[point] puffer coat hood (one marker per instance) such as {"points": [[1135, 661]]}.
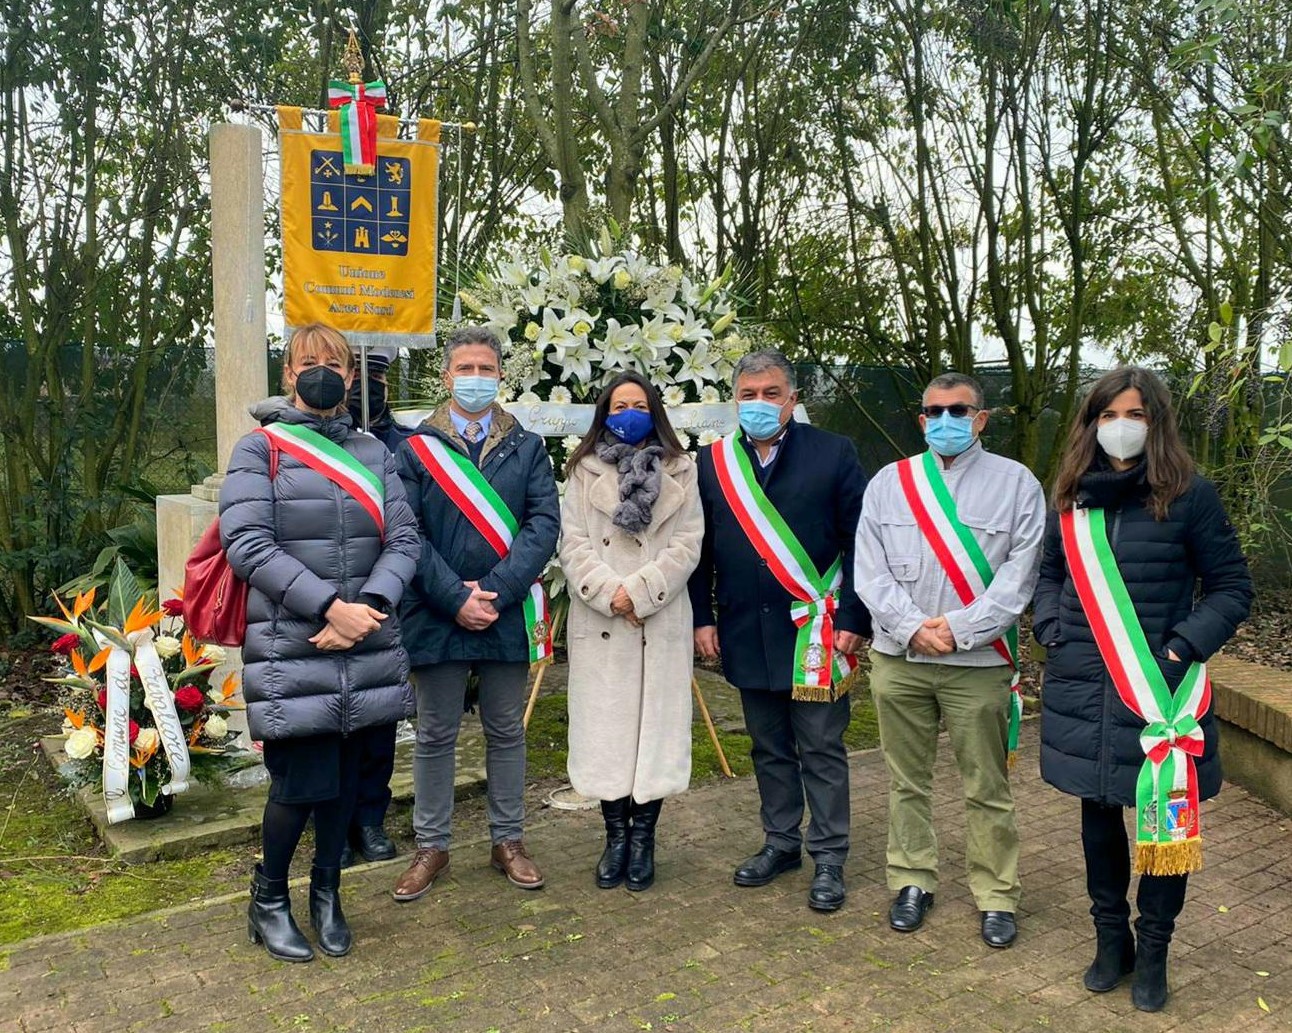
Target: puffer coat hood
{"points": [[300, 542], [1190, 586]]}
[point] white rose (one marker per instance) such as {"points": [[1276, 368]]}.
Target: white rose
{"points": [[147, 739], [570, 442], [710, 395], [674, 395], [81, 743], [621, 279], [216, 727], [166, 646], [560, 395], [215, 654]]}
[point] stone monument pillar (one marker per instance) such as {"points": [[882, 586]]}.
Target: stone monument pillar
{"points": [[241, 355]]}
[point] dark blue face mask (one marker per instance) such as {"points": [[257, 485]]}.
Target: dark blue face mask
{"points": [[630, 426]]}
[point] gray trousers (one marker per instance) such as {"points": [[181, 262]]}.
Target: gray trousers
{"points": [[441, 691], [798, 750]]}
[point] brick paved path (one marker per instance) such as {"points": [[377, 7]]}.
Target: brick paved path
{"points": [[694, 953]]}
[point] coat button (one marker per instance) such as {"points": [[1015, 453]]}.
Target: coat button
{"points": [[605, 541], [605, 634], [584, 589], [660, 597], [762, 562], [767, 608]]}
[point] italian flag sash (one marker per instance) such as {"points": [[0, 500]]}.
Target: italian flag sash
{"points": [[334, 463], [466, 486], [1168, 838], [961, 558], [821, 674]]}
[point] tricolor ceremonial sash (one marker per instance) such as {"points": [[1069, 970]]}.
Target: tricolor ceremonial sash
{"points": [[334, 463], [1168, 838], [358, 103], [466, 486], [961, 558], [821, 673]]}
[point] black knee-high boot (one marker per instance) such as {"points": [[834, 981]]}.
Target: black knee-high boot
{"points": [[641, 844], [613, 865], [1104, 843], [1160, 899]]}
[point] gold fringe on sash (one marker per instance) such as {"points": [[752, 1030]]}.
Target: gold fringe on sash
{"points": [[1179, 858], [825, 694]]}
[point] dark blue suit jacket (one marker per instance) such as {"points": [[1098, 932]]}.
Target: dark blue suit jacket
{"points": [[816, 484]]}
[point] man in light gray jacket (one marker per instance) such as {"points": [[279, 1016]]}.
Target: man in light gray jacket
{"points": [[947, 553]]}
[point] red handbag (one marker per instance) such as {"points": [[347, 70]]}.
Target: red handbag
{"points": [[215, 599]]}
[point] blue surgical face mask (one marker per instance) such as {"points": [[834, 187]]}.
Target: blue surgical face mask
{"points": [[948, 435], [475, 394], [630, 426], [760, 420]]}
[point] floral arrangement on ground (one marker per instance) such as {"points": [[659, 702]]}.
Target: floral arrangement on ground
{"points": [[110, 652]]}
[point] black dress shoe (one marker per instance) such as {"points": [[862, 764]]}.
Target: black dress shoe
{"points": [[765, 865], [374, 844], [908, 910], [998, 928], [827, 891]]}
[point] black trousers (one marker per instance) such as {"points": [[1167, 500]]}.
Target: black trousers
{"points": [[376, 765], [1108, 873], [798, 751]]}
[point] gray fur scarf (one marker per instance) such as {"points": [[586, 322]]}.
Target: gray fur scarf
{"points": [[639, 480]]}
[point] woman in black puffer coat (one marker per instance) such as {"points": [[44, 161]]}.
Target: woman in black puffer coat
{"points": [[1180, 559], [323, 662]]}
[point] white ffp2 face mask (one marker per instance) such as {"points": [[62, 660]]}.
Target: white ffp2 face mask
{"points": [[1122, 438]]}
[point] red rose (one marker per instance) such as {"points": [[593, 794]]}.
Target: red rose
{"points": [[190, 698], [173, 607], [134, 730], [66, 644], [103, 700], [134, 671]]}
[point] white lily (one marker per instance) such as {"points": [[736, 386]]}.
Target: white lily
{"points": [[555, 331], [576, 360], [693, 328], [601, 269], [513, 274], [620, 344], [653, 339], [697, 364], [534, 297], [638, 267], [500, 315]]}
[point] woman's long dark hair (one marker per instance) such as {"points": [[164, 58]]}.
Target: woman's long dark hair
{"points": [[1170, 467], [663, 429]]}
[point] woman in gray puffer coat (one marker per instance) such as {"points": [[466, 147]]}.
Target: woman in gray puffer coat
{"points": [[314, 518]]}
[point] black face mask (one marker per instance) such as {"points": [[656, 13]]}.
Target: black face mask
{"points": [[320, 388], [376, 401]]}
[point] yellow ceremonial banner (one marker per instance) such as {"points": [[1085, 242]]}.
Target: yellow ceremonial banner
{"points": [[359, 252]]}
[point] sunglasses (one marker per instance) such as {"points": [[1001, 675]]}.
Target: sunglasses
{"points": [[957, 410]]}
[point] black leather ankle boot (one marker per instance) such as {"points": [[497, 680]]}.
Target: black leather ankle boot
{"points": [[641, 845], [613, 865], [269, 920], [325, 912]]}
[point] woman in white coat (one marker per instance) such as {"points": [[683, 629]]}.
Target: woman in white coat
{"points": [[631, 526]]}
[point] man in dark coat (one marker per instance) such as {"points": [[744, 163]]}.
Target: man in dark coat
{"points": [[377, 764], [464, 613], [814, 481]]}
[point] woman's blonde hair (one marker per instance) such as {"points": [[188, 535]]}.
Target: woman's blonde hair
{"points": [[320, 340]]}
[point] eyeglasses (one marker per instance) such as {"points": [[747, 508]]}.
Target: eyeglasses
{"points": [[958, 410]]}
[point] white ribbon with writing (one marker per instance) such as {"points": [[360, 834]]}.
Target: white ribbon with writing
{"points": [[116, 729]]}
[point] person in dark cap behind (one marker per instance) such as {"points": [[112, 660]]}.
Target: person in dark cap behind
{"points": [[377, 762]]}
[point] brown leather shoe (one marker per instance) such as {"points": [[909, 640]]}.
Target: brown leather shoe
{"points": [[512, 859], [428, 864]]}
